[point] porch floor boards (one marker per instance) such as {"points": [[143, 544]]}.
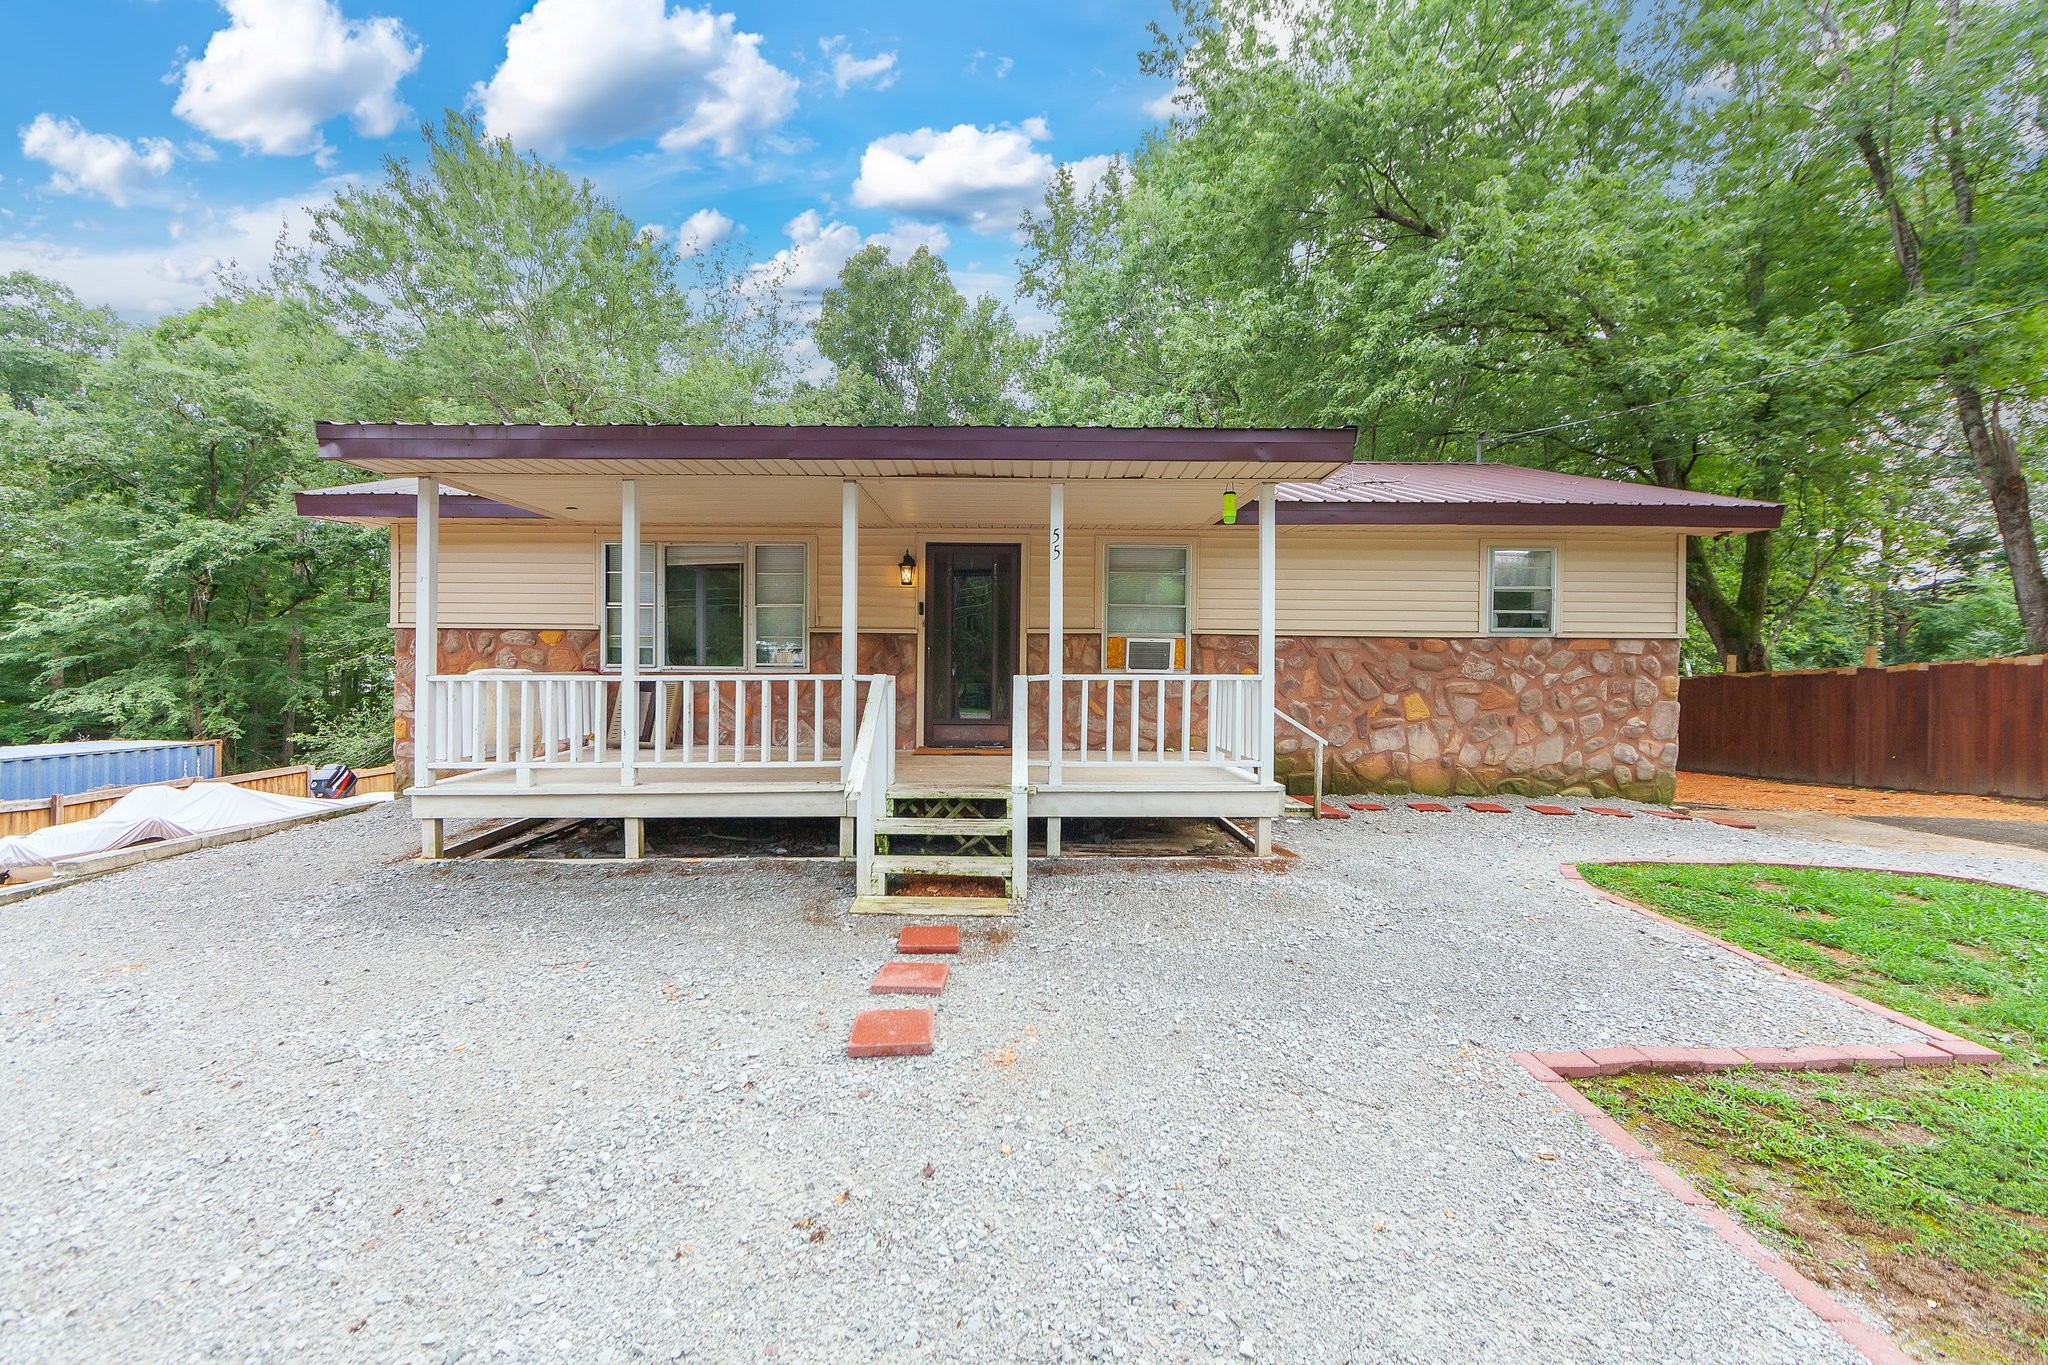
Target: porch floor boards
{"points": [[914, 773]]}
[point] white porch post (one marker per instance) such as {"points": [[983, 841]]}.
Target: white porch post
{"points": [[1056, 634], [426, 627], [849, 621], [1268, 609], [629, 629], [1055, 654]]}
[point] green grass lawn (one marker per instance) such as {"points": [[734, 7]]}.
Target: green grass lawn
{"points": [[1925, 1191]]}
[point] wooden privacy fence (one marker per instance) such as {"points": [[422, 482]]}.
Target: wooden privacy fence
{"points": [[26, 817], [1979, 726]]}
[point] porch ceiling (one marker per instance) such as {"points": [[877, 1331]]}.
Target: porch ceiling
{"points": [[710, 500]]}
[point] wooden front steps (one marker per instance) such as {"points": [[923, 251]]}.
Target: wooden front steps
{"points": [[933, 907], [955, 835]]}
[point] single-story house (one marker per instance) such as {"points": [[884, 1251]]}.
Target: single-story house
{"points": [[1228, 604]]}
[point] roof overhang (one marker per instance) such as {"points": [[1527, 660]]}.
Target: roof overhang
{"points": [[388, 500], [461, 454], [1702, 521]]}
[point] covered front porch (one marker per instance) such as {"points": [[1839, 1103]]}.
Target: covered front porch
{"points": [[639, 738]]}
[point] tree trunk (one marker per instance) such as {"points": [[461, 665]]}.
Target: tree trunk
{"points": [[1991, 445], [289, 720], [1735, 626], [2005, 483]]}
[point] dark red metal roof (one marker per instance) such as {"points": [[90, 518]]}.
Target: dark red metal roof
{"points": [[1395, 492], [397, 500]]}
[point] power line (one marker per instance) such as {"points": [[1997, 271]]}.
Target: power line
{"points": [[1762, 378]]}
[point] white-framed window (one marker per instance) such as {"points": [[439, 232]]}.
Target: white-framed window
{"points": [[727, 607], [1521, 590], [1145, 600]]}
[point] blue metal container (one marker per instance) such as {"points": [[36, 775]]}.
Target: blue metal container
{"points": [[31, 772]]}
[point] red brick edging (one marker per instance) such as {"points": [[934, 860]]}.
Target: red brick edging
{"points": [[1551, 1070]]}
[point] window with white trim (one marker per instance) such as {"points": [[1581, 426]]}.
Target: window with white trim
{"points": [[1145, 598], [1521, 591], [714, 606]]}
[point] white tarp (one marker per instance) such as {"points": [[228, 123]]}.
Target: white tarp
{"points": [[156, 813]]}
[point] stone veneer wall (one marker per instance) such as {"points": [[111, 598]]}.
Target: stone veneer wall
{"points": [[1577, 717]]}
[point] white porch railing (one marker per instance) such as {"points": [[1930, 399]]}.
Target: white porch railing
{"points": [[868, 778], [1123, 718], [492, 721]]}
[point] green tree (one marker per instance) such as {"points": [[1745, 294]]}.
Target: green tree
{"points": [[911, 350], [1919, 120], [488, 286], [48, 339], [165, 584]]}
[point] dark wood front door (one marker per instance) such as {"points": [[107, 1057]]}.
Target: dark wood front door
{"points": [[970, 643]]}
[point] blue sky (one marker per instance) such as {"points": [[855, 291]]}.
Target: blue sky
{"points": [[152, 140]]}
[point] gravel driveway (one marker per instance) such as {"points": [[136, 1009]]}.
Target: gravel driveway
{"points": [[303, 1098]]}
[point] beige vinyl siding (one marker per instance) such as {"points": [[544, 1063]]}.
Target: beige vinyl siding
{"points": [[1409, 582], [1342, 581], [1420, 583], [1628, 585], [504, 575]]}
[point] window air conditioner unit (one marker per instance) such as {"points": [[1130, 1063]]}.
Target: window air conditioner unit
{"points": [[1148, 656]]}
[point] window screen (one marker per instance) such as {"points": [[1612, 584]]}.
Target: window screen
{"points": [[1146, 590], [704, 593], [615, 603], [1522, 592], [781, 606]]}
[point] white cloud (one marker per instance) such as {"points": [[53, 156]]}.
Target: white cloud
{"points": [[819, 249], [703, 230], [849, 70], [147, 281], [95, 163], [982, 177], [595, 72], [1172, 104], [282, 68]]}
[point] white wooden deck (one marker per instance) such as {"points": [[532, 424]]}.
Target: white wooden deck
{"points": [[1086, 790]]}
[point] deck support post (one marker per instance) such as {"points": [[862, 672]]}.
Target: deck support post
{"points": [[426, 626], [430, 839], [1055, 642], [629, 627], [1052, 836], [1262, 836], [636, 838], [848, 828], [849, 622], [1268, 608]]}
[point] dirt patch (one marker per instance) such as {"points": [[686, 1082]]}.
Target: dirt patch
{"points": [[1753, 793], [1766, 884], [1940, 1309]]}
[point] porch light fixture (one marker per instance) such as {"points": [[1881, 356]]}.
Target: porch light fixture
{"points": [[906, 569], [1230, 507]]}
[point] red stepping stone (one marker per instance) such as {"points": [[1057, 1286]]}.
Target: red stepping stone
{"points": [[910, 978], [1431, 806], [928, 938], [1668, 814], [891, 1033], [1367, 805], [1727, 820], [1333, 811], [1610, 810], [1552, 810], [1487, 807]]}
